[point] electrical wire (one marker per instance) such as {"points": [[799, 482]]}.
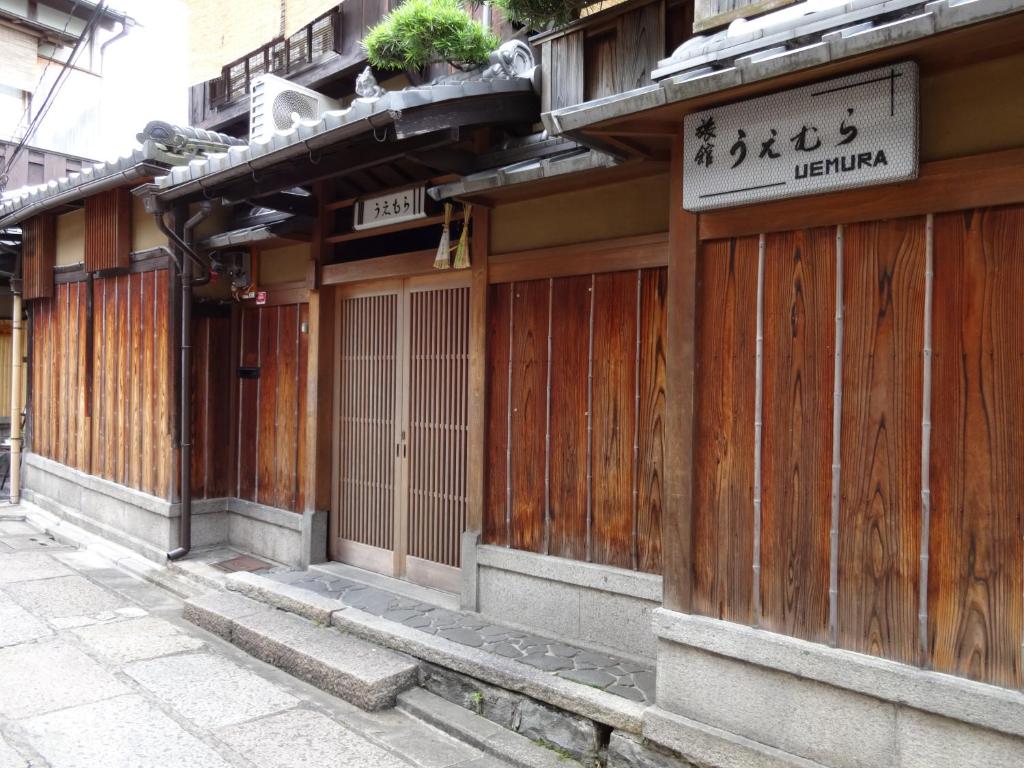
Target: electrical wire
{"points": [[54, 90], [42, 75]]}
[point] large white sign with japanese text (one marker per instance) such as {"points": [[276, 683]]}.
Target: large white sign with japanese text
{"points": [[848, 132]]}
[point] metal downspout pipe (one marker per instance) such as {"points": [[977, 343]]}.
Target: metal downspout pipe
{"points": [[185, 386], [17, 325]]}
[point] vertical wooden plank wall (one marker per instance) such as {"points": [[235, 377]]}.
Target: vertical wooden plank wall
{"points": [[576, 367], [272, 406], [130, 333], [61, 427], [780, 580], [212, 381], [108, 230]]}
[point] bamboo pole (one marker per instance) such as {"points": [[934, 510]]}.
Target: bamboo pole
{"points": [[837, 421], [16, 405], [758, 428], [926, 437]]}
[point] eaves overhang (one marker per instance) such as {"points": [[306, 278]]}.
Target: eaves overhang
{"points": [[808, 35], [143, 162], [401, 119]]}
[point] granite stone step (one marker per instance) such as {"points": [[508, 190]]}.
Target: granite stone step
{"points": [[359, 672], [480, 732], [488, 666]]}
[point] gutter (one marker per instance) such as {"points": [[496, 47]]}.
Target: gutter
{"points": [[274, 156], [140, 171], [185, 380]]}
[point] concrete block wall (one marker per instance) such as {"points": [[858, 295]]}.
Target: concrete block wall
{"points": [[732, 695], [149, 525], [594, 605]]}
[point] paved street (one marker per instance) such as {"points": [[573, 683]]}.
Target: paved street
{"points": [[98, 669]]}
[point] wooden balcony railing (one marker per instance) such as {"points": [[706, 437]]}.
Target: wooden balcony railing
{"points": [[281, 56]]}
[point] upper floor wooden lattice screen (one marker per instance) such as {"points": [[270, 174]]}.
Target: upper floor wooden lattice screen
{"points": [[39, 252], [108, 230]]}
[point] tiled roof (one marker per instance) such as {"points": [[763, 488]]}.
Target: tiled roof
{"points": [[365, 115], [19, 204], [804, 35], [575, 160]]}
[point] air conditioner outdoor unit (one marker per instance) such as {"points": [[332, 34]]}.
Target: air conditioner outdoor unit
{"points": [[276, 105]]}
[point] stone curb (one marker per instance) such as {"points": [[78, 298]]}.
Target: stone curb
{"points": [[579, 699], [706, 745], [285, 597], [344, 666], [480, 732]]}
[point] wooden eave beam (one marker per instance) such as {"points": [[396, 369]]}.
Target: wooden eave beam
{"points": [[341, 162]]}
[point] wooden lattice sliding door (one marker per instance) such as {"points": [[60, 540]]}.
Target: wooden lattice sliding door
{"points": [[367, 427], [438, 429], [401, 427]]}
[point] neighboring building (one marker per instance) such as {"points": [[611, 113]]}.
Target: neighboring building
{"points": [[37, 39], [34, 166], [765, 445], [313, 43]]}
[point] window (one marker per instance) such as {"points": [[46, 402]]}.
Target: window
{"points": [[35, 167], [72, 165]]}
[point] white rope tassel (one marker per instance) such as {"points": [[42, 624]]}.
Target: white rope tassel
{"points": [[443, 258]]}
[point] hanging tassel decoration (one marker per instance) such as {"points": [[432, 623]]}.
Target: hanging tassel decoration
{"points": [[443, 258], [462, 249]]}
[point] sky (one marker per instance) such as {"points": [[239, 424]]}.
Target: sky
{"points": [[145, 77]]}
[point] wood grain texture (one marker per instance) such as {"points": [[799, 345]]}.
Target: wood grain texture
{"points": [[266, 409], [39, 253], [880, 508], [975, 579], [724, 416], [305, 368], [163, 349], [651, 388], [529, 406], [641, 44], [614, 417], [108, 230], [499, 308], [248, 401], [285, 437], [570, 339], [799, 309], [677, 513]]}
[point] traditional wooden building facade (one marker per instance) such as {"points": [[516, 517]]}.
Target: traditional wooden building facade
{"points": [[773, 447]]}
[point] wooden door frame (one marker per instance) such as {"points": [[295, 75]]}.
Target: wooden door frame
{"points": [[425, 572]]}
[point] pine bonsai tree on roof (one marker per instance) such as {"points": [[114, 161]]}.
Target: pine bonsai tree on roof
{"points": [[423, 32], [541, 14]]}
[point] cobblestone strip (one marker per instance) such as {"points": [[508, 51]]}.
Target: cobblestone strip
{"points": [[608, 673]]}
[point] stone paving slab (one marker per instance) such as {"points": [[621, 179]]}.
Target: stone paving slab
{"points": [[9, 758], [57, 674], [358, 672], [123, 642], [302, 739], [29, 566], [622, 677], [65, 597], [123, 731], [18, 625], [209, 690]]}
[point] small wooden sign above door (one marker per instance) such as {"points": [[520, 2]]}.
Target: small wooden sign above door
{"points": [[852, 131], [391, 208]]}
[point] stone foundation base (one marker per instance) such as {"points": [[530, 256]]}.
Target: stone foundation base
{"points": [[149, 525], [729, 695], [595, 605]]}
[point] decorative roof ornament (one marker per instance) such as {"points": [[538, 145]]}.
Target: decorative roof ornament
{"points": [[367, 87], [512, 60]]}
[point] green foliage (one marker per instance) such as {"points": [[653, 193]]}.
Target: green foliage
{"points": [[541, 14], [422, 32]]}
